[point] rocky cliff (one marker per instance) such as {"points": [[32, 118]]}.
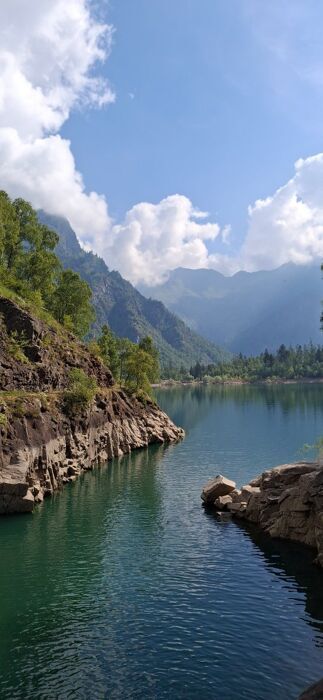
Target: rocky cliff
{"points": [[41, 445], [286, 502]]}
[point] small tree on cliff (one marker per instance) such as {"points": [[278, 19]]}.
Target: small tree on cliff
{"points": [[108, 345], [138, 368], [70, 303]]}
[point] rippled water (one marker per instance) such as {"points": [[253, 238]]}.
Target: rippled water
{"points": [[123, 587]]}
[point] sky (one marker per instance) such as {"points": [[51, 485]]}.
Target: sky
{"points": [[169, 132]]}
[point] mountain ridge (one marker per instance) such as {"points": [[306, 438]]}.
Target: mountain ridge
{"points": [[250, 310], [125, 309]]}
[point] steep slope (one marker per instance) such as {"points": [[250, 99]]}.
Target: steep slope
{"points": [[248, 311], [128, 312], [45, 442]]}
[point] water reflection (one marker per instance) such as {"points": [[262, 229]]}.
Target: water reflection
{"points": [[62, 570], [294, 563], [190, 405]]}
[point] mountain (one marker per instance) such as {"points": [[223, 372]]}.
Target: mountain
{"points": [[248, 311], [128, 313]]}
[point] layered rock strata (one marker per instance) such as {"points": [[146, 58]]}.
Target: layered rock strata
{"points": [[42, 445], [43, 449], [286, 502]]}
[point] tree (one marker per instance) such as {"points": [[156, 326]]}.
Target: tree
{"points": [[138, 367], [9, 232], [27, 261], [148, 346], [124, 349], [70, 303], [109, 354]]}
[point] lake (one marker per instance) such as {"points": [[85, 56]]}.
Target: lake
{"points": [[122, 586]]}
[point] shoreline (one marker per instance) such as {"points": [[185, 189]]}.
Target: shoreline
{"points": [[172, 383]]}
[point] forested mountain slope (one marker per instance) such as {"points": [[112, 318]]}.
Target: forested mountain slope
{"points": [[125, 309]]}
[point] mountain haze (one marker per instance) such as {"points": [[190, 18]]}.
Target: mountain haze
{"points": [[248, 311], [128, 313]]}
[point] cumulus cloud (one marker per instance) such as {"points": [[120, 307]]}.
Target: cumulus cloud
{"points": [[285, 227], [49, 52], [156, 238], [288, 226]]}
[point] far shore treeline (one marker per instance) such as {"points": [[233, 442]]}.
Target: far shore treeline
{"points": [[31, 272], [287, 363]]}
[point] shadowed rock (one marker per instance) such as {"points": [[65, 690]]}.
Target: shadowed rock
{"points": [[286, 502], [315, 692]]}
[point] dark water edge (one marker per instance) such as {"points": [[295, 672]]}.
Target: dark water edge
{"points": [[122, 586]]}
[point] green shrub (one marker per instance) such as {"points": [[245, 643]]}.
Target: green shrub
{"points": [[80, 392], [3, 420], [16, 346]]}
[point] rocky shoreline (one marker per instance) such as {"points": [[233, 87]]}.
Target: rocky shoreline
{"points": [[286, 502], [42, 446], [45, 449]]}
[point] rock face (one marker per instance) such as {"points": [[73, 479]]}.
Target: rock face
{"points": [[42, 446], [48, 355], [315, 692], [44, 449], [286, 502]]}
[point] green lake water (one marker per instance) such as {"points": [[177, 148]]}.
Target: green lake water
{"points": [[122, 586]]}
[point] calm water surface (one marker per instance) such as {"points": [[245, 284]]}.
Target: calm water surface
{"points": [[123, 587]]}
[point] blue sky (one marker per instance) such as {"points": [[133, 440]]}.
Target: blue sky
{"points": [[217, 114], [168, 132]]}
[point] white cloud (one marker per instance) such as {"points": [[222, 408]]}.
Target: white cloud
{"points": [[156, 238], [49, 51], [287, 227]]}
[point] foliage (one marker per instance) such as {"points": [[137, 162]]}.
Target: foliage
{"points": [[136, 365], [127, 312], [317, 448], [80, 392], [30, 269], [70, 303], [286, 363], [109, 350], [16, 346], [3, 420]]}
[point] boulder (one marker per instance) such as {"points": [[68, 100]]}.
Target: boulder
{"points": [[286, 502], [237, 508], [222, 502], [220, 486]]}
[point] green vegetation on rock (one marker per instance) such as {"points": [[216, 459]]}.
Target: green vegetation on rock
{"points": [[31, 271]]}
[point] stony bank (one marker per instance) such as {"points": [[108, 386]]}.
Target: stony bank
{"points": [[42, 446], [286, 502]]}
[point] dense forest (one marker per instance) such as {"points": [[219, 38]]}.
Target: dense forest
{"points": [[32, 274], [286, 364]]}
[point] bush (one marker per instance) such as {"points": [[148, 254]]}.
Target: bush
{"points": [[16, 346], [80, 392]]}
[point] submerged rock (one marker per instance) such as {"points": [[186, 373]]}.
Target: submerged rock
{"points": [[286, 502]]}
